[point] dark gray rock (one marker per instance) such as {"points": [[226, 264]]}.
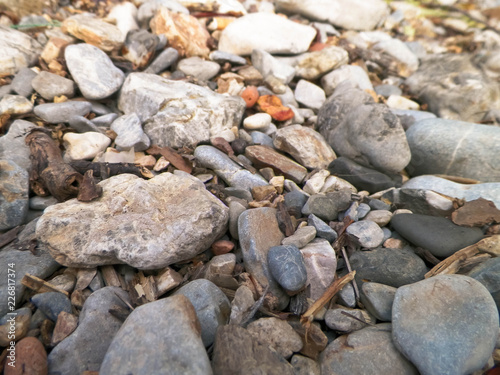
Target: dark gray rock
{"points": [[80, 351], [222, 57], [287, 266], [365, 233], [361, 177], [211, 305], [161, 337], [50, 85], [437, 234], [294, 202], [378, 300], [454, 148], [327, 206], [367, 351], [323, 230], [21, 84], [54, 113], [14, 194], [419, 201], [488, 274], [394, 267], [164, 60], [431, 318], [52, 304], [235, 210]]}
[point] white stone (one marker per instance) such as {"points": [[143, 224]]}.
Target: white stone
{"points": [[84, 146], [269, 66], [334, 183], [400, 102], [352, 73], [19, 50], [316, 182], [266, 31], [15, 105], [259, 121], [125, 16], [313, 65], [309, 94]]}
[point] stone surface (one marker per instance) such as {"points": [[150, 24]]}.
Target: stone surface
{"points": [[366, 234], [266, 31], [287, 266], [30, 358], [54, 113], [378, 299], [198, 68], [431, 317], [367, 351], [301, 237], [380, 217], [14, 194], [233, 174], [130, 133], [49, 85], [320, 261], [120, 227], [275, 73], [259, 231], [19, 50], [21, 84], [84, 146], [305, 145], [93, 71], [211, 305], [139, 46], [15, 105], [309, 94], [313, 65], [393, 267], [168, 335], [323, 230], [327, 206], [164, 60], [51, 304], [276, 334], [437, 234], [337, 319], [487, 273], [178, 114], [353, 74], [454, 148]]}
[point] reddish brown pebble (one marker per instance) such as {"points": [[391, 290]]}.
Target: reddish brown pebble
{"points": [[272, 105], [317, 47], [30, 358], [250, 96], [222, 247]]}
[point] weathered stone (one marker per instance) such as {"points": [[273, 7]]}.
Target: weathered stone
{"points": [[21, 84], [139, 46], [378, 300], [337, 319], [313, 65], [198, 68], [323, 230], [365, 233], [54, 113], [320, 261], [52, 303], [30, 358], [352, 74], [301, 237], [165, 59], [14, 194], [119, 227], [304, 366], [130, 133], [50, 85], [327, 206], [430, 316], [161, 337], [15, 105], [276, 73], [84, 146], [309, 94], [178, 114], [286, 265], [424, 202], [380, 217], [19, 50]]}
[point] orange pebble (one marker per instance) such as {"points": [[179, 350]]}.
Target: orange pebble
{"points": [[250, 95], [317, 47]]}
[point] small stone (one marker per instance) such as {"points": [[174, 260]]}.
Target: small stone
{"points": [[338, 320], [316, 182], [442, 308], [52, 303], [394, 243], [259, 121], [14, 194], [327, 206], [407, 61], [309, 94], [54, 113], [50, 85], [378, 299], [286, 265], [314, 339], [65, 325], [163, 61], [323, 230], [84, 146], [82, 125], [304, 366], [313, 65], [276, 334], [301, 237], [387, 90], [380, 217], [295, 201], [198, 68], [65, 282], [166, 280], [222, 57], [424, 202], [222, 246], [276, 73], [353, 74], [19, 51], [261, 193], [235, 210], [437, 234], [400, 102], [125, 16], [93, 71], [15, 105], [55, 46], [130, 133], [241, 305], [334, 183], [366, 234], [30, 358], [250, 95], [21, 84]]}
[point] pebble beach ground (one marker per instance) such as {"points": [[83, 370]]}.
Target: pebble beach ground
{"points": [[249, 187]]}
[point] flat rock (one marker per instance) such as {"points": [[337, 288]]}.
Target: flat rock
{"points": [[161, 337], [211, 305], [327, 206], [320, 259], [309, 94], [393, 267], [21, 84], [259, 231], [430, 317], [54, 113], [19, 50], [84, 146], [120, 227], [301, 237], [378, 299], [233, 174], [366, 234], [177, 113], [164, 60], [15, 105], [50, 85], [14, 194], [236, 351], [73, 355], [323, 230], [287, 266], [367, 351], [437, 234], [336, 319], [93, 71], [275, 72], [266, 31]]}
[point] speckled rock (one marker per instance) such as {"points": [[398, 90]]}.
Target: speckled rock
{"points": [[14, 194]]}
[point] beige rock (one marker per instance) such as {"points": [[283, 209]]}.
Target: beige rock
{"points": [[65, 325], [18, 51], [313, 65], [84, 146], [15, 105]]}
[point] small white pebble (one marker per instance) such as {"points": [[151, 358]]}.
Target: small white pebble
{"points": [[259, 121]]}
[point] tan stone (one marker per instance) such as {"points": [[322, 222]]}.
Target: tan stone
{"points": [[65, 325]]}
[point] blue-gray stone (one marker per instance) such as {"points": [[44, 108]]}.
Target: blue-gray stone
{"points": [[378, 299], [14, 194], [259, 138], [287, 266], [323, 230], [363, 210], [221, 57], [327, 206], [439, 235], [130, 133], [52, 304], [82, 125], [446, 325], [408, 117], [294, 202], [376, 204], [54, 113], [366, 234], [105, 120], [488, 274]]}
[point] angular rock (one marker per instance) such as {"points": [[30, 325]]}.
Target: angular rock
{"points": [[14, 194], [309, 94], [52, 304], [313, 65], [305, 145], [259, 231], [83, 125], [270, 32], [323, 230], [50, 85], [222, 57], [352, 74], [161, 337], [454, 148], [393, 267], [19, 50], [301, 237], [15, 105], [139, 47], [84, 146], [437, 234], [367, 351], [130, 133], [327, 206], [378, 299], [54, 113], [287, 266], [366, 234], [337, 319], [166, 58], [429, 316], [295, 201], [198, 68], [120, 227], [93, 71], [21, 84], [276, 73], [211, 305], [178, 114], [320, 259]]}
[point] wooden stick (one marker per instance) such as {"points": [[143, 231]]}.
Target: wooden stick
{"points": [[39, 285]]}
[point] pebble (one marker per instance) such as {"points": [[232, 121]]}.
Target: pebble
{"points": [[304, 365], [320, 260], [402, 103], [104, 120], [295, 201], [21, 84], [367, 351], [54, 113], [443, 308], [259, 231], [337, 319], [93, 71], [334, 183], [19, 50], [30, 358], [487, 274], [130, 133], [163, 61], [301, 237], [323, 230], [313, 65], [327, 206], [14, 324], [84, 146], [121, 229], [366, 234], [14, 194], [437, 234], [221, 57], [82, 125], [351, 74], [276, 73], [458, 148], [52, 303], [267, 31], [138, 348], [15, 105], [309, 94], [241, 305], [393, 267], [211, 305], [378, 299], [276, 334], [139, 46], [201, 69], [259, 121], [50, 85], [407, 61], [125, 16], [379, 217], [286, 265]]}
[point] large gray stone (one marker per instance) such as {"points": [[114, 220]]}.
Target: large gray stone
{"points": [[488, 274], [447, 324], [146, 224], [177, 113], [19, 50], [14, 194], [161, 337]]}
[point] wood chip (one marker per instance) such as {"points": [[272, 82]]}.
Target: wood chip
{"points": [[110, 276], [476, 213], [10, 236], [89, 190], [39, 285], [84, 277], [172, 156]]}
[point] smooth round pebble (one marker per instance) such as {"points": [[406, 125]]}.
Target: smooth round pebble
{"points": [[287, 266], [259, 121]]}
